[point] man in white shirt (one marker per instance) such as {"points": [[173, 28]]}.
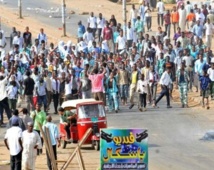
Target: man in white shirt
{"points": [[210, 71], [188, 7], [13, 142], [160, 8], [2, 44], [208, 32], [142, 11], [120, 42], [165, 81], [42, 36], [88, 36], [18, 40], [130, 35], [133, 15], [56, 91], [200, 16], [3, 97], [100, 25], [92, 23], [41, 92]]}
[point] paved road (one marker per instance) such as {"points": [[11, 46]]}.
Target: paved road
{"points": [[41, 10], [174, 137]]}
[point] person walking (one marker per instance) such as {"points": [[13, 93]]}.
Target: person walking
{"points": [[3, 97], [205, 86], [56, 91], [160, 8], [16, 116], [133, 86], [182, 80], [28, 91], [210, 71], [41, 92], [174, 18], [182, 18], [54, 137], [209, 28], [165, 82], [142, 90], [13, 142], [31, 142], [38, 116], [167, 21], [111, 91]]}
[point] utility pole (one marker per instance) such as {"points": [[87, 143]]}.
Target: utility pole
{"points": [[20, 8], [63, 18], [124, 18]]}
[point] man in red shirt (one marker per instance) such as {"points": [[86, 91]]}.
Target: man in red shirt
{"points": [[108, 36]]}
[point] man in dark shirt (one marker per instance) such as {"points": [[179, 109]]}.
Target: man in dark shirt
{"points": [[27, 37], [28, 90]]}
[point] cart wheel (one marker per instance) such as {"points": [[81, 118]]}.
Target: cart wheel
{"points": [[97, 145], [64, 143]]}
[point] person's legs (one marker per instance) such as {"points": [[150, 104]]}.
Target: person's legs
{"points": [[167, 97], [147, 23], [181, 91], [132, 91], [158, 19], [149, 94], [116, 104], [168, 30], [126, 92], [161, 96], [45, 102], [18, 161], [144, 100], [13, 106], [99, 34], [110, 104], [48, 161], [56, 101], [140, 103], [5, 106], [212, 89], [161, 15], [12, 163], [67, 129]]}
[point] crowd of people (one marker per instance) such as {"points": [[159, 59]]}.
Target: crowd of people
{"points": [[111, 62]]}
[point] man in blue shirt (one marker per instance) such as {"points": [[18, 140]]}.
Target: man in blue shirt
{"points": [[54, 137], [80, 30], [198, 30]]}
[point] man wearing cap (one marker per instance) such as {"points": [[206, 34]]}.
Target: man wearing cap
{"points": [[31, 142], [13, 142], [165, 82]]}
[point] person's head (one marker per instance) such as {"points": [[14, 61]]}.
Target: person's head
{"points": [[80, 23], [24, 111], [129, 24], [212, 65], [13, 29], [188, 2], [198, 22], [178, 29], [49, 118], [168, 12], [134, 67], [208, 20], [138, 18], [111, 75], [182, 6], [92, 14], [42, 30], [168, 69], [200, 56], [133, 6], [28, 73], [100, 15], [38, 107], [61, 111], [121, 33], [174, 8], [161, 55], [27, 29], [30, 127], [191, 10], [18, 33], [15, 112], [180, 53]]}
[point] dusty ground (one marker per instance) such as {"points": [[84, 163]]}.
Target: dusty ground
{"points": [[108, 8]]}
